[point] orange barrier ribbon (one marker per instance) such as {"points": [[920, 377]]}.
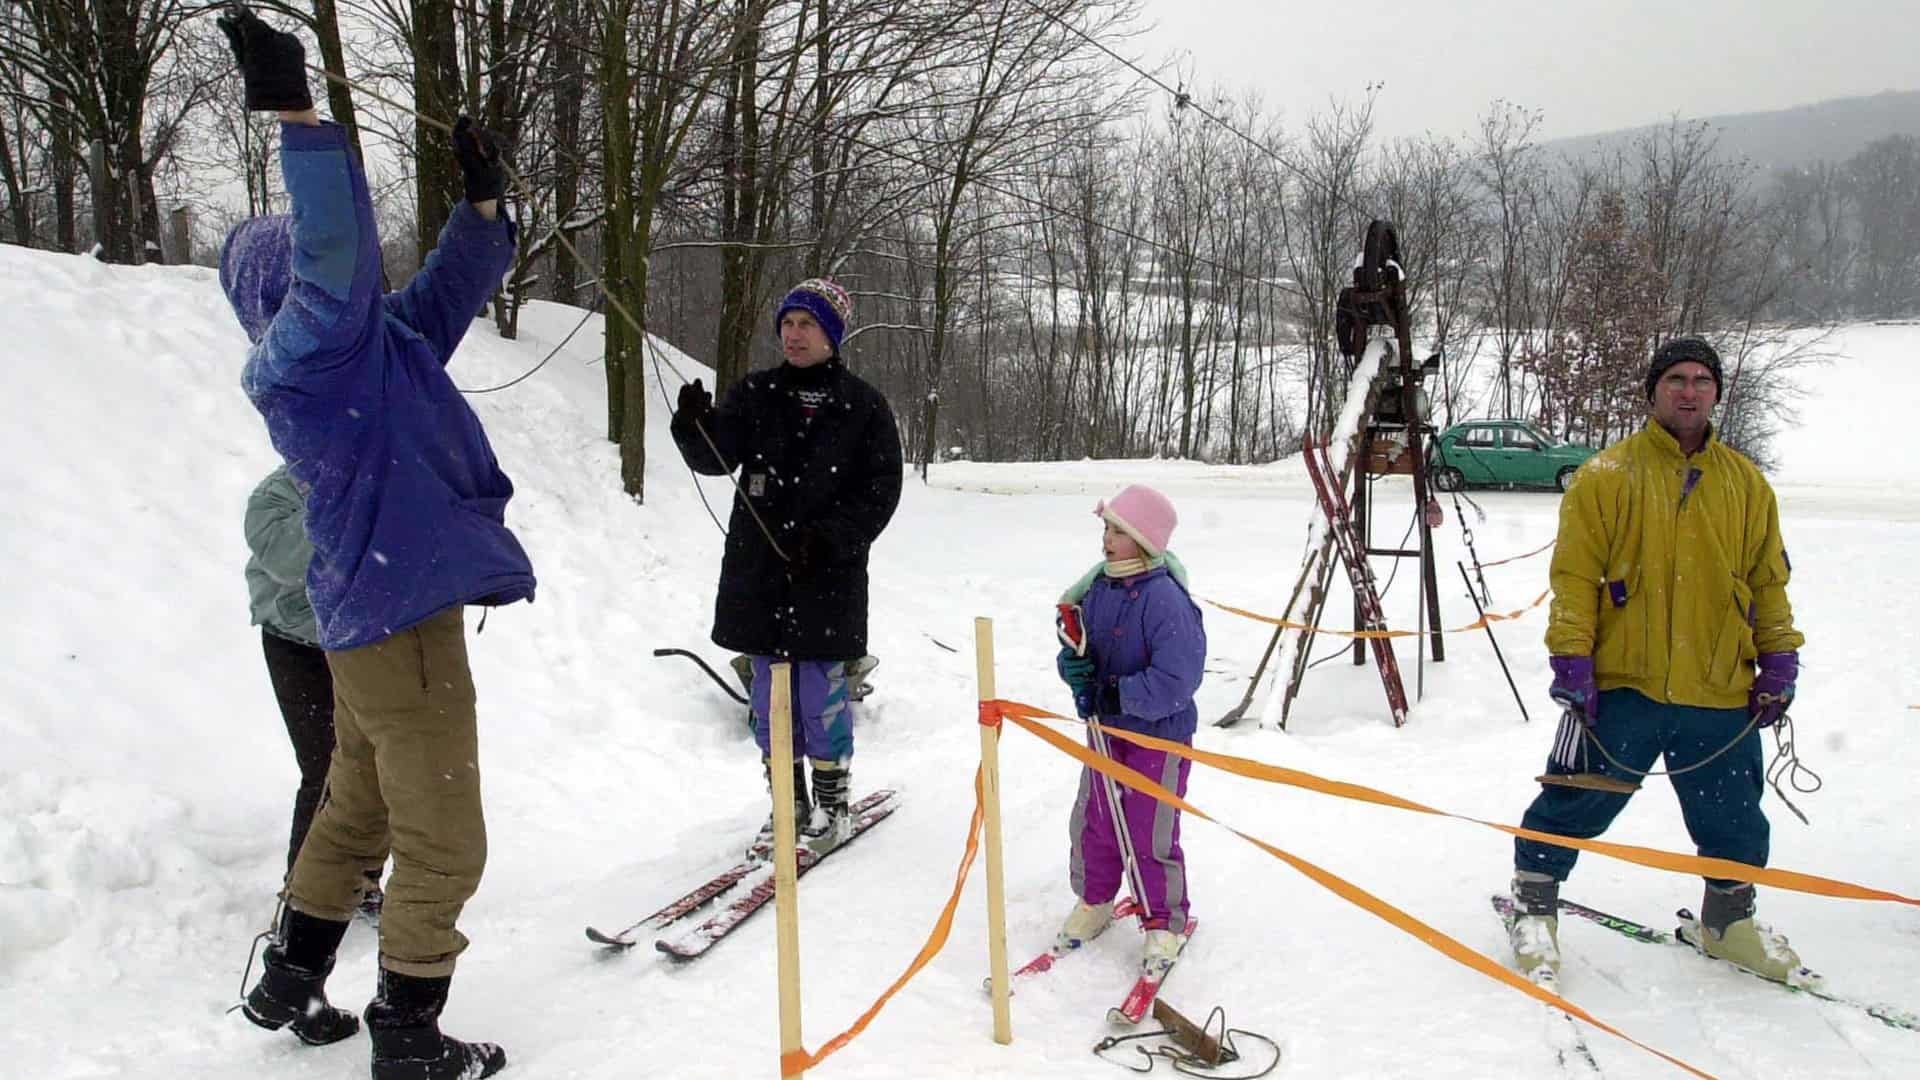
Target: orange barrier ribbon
{"points": [[1517, 558], [1435, 939], [1288, 624], [801, 1060]]}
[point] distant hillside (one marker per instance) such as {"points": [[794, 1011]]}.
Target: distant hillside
{"points": [[1831, 130]]}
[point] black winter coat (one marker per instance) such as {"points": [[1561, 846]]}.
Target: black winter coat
{"points": [[836, 475]]}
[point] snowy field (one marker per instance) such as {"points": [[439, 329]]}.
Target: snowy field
{"points": [[145, 777]]}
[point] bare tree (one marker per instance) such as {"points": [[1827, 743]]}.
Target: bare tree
{"points": [[1508, 168], [680, 46], [1024, 80]]}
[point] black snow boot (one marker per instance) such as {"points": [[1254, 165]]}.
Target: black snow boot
{"points": [[762, 845], [291, 991], [404, 1022]]}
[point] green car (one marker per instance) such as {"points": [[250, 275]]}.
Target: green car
{"points": [[1503, 453]]}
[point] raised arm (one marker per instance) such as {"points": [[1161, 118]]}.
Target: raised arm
{"points": [[325, 256]]}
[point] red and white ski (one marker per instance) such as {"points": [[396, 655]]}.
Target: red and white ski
{"points": [[1139, 1000], [696, 942], [708, 891], [1045, 961]]}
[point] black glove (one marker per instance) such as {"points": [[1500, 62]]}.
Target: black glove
{"points": [[273, 65], [696, 405], [478, 151]]}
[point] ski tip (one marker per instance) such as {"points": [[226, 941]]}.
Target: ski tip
{"points": [[611, 941], [675, 952]]}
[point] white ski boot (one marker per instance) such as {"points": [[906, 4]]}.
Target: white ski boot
{"points": [[1084, 923], [1535, 929], [1727, 931]]}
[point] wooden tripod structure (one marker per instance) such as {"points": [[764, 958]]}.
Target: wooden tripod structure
{"points": [[1390, 437]]}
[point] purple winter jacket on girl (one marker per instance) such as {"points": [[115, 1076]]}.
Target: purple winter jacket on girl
{"points": [[1145, 637]]}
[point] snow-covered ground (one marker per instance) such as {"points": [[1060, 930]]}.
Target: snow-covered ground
{"points": [[145, 777]]}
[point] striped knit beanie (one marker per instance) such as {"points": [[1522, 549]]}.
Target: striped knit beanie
{"points": [[823, 299]]}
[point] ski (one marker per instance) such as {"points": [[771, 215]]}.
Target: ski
{"points": [[1890, 1015], [1044, 962], [707, 892], [697, 941], [1569, 1043], [1133, 1008]]}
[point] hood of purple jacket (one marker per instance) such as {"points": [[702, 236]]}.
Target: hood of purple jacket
{"points": [[256, 269]]}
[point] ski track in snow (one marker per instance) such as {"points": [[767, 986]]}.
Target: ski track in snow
{"points": [[145, 777]]}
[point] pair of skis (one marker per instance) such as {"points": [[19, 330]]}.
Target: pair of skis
{"points": [[1140, 996], [751, 878], [1687, 936]]}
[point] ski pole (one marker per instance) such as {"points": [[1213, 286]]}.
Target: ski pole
{"points": [[1072, 633]]}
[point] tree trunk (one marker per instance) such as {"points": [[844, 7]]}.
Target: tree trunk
{"points": [[570, 88], [16, 201], [65, 159], [739, 202], [617, 191], [436, 93], [333, 57]]}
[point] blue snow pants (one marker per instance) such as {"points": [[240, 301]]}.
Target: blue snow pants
{"points": [[822, 715], [1719, 801]]}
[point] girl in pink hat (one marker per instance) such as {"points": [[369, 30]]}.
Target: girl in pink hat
{"points": [[1133, 649]]}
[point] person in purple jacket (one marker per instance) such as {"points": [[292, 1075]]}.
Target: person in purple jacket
{"points": [[406, 511], [1134, 665]]}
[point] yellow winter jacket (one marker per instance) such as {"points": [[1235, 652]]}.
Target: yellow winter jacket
{"points": [[1672, 585]]}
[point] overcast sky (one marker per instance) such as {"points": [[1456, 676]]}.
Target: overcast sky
{"points": [[1590, 65]]}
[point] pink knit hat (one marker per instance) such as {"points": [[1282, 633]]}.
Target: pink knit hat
{"points": [[1142, 513]]}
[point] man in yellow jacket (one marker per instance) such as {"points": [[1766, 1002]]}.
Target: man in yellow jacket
{"points": [[1671, 635]]}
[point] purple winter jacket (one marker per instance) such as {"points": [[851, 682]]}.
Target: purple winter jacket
{"points": [[1144, 635]]}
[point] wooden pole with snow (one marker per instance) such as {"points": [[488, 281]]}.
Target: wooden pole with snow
{"points": [[990, 804], [786, 898]]}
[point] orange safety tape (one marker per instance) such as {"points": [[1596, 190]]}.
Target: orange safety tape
{"points": [[990, 715], [1651, 857], [1517, 558], [1440, 942], [1477, 624], [800, 1060]]}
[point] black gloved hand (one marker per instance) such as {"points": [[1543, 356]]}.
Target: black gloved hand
{"points": [[273, 65], [696, 405], [478, 151]]}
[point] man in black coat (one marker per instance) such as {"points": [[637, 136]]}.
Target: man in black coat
{"points": [[819, 460]]}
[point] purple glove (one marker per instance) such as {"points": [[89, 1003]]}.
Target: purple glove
{"points": [[1573, 685], [1774, 673]]}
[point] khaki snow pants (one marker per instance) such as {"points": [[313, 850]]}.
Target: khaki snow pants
{"points": [[405, 777]]}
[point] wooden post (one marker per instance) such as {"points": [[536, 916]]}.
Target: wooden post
{"points": [[996, 880], [786, 898], [181, 222]]}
